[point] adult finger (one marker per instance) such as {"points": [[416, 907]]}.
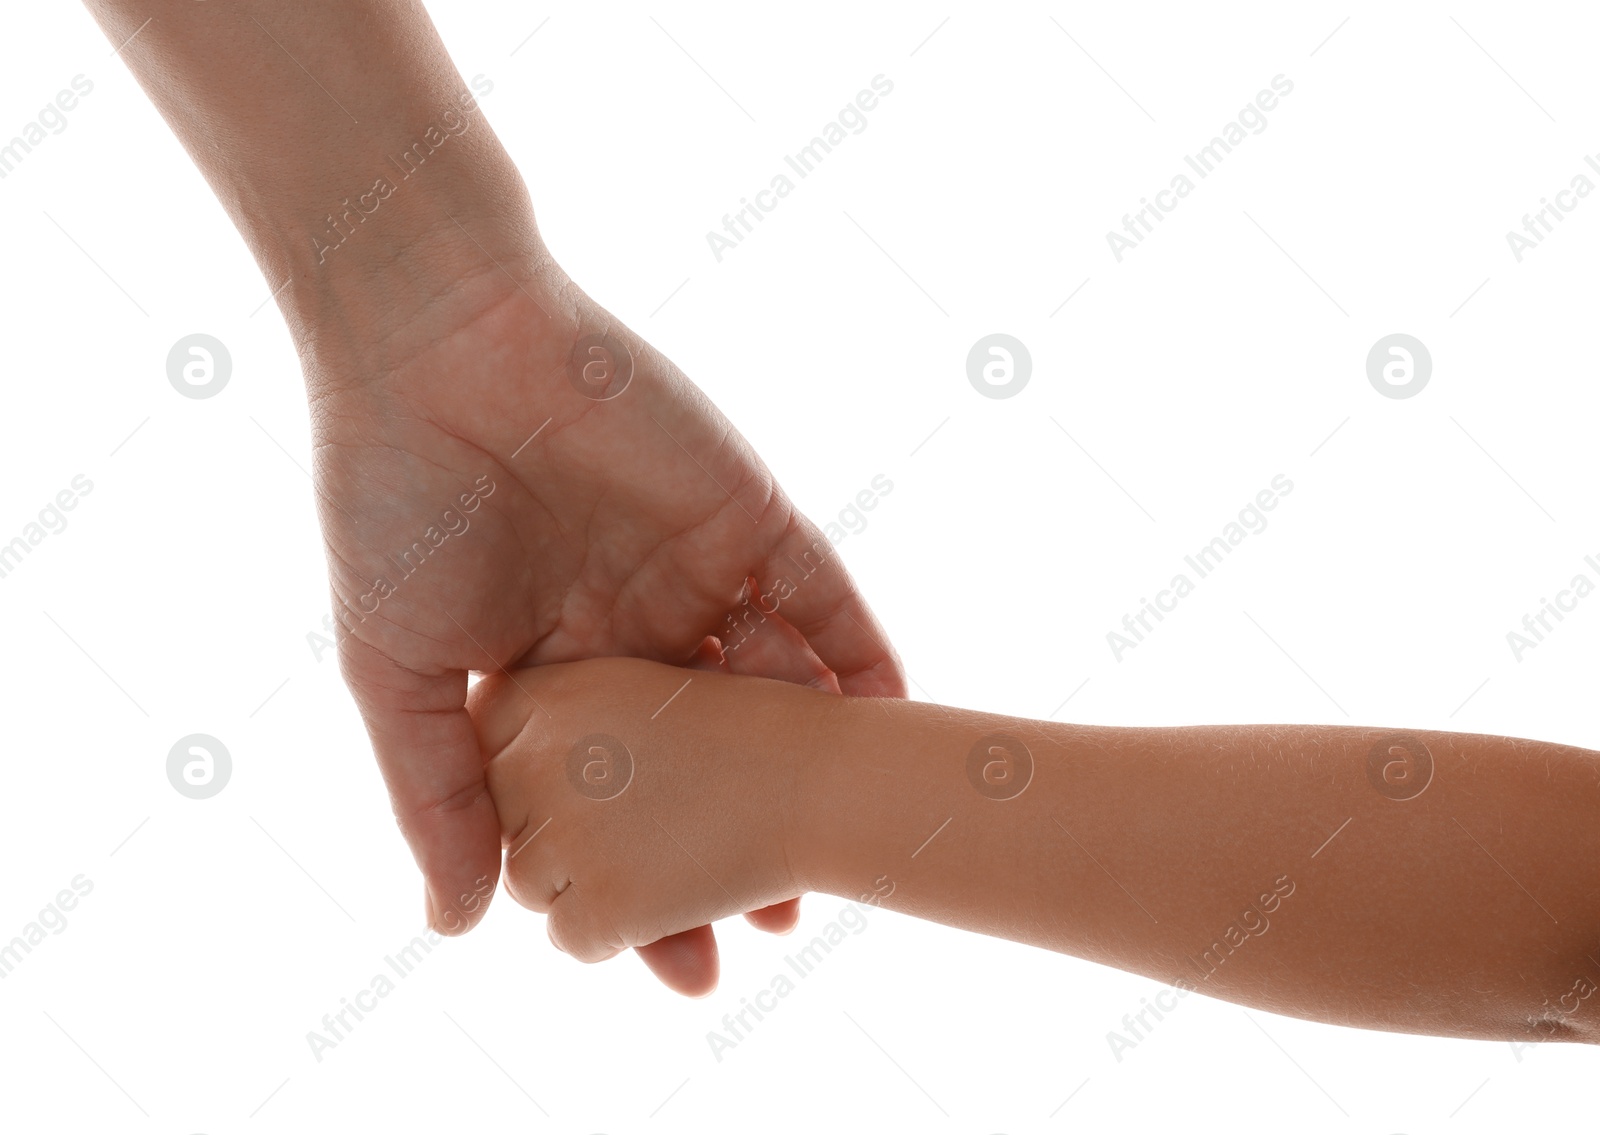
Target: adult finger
{"points": [[759, 640], [822, 603], [686, 963], [779, 918], [428, 752], [708, 656]]}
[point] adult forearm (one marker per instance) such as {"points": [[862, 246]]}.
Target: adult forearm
{"points": [[339, 137], [1405, 880]]}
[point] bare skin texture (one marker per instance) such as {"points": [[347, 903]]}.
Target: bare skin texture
{"points": [[1412, 881], [438, 336]]}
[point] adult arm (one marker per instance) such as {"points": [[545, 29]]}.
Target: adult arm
{"points": [[437, 337]]}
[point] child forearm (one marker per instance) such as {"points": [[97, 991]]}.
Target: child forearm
{"points": [[1406, 880]]}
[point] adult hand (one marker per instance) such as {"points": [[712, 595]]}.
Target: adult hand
{"points": [[436, 335], [483, 508]]}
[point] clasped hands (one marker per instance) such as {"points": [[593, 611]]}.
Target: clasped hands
{"points": [[614, 514]]}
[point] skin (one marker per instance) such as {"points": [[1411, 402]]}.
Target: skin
{"points": [[1284, 867], [437, 336]]}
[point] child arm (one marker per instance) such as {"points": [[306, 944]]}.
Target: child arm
{"points": [[1414, 881]]}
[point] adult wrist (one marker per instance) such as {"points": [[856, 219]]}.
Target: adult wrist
{"points": [[341, 139], [357, 278]]}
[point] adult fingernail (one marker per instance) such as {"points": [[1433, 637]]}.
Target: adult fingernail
{"points": [[430, 911]]}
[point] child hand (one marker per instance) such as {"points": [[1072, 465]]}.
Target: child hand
{"points": [[639, 800]]}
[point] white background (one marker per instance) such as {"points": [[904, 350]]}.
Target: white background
{"points": [[1228, 348]]}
